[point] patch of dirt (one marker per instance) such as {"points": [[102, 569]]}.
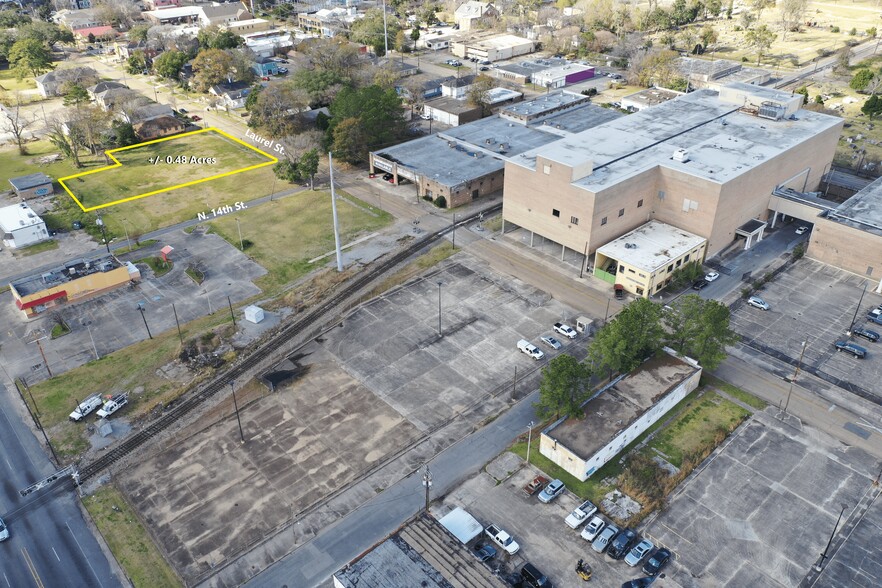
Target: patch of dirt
{"points": [[620, 506]]}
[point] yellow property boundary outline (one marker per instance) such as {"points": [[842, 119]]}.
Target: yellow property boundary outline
{"points": [[109, 153]]}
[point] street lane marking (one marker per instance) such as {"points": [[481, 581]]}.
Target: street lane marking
{"points": [[32, 568], [84, 554], [56, 554], [7, 581]]}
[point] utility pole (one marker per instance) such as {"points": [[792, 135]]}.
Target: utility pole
{"points": [[795, 374], [43, 355], [178, 323], [232, 316], [144, 318], [820, 565], [100, 223], [241, 242], [529, 439], [454, 231], [856, 310], [427, 482], [92, 339], [334, 199], [440, 334], [36, 418]]}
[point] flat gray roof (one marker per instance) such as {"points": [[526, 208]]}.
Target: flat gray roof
{"points": [[651, 96], [529, 67], [651, 246], [436, 159], [391, 564], [70, 271], [451, 105], [618, 406], [542, 103], [722, 142], [30, 181], [863, 210]]}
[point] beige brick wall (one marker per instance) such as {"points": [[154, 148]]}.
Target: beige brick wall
{"points": [[847, 248]]}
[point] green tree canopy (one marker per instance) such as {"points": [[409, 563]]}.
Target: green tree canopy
{"points": [[369, 31], [633, 335], [124, 134], [363, 120], [137, 62], [320, 85], [859, 80], [168, 64], [872, 107], [759, 39], [564, 387], [11, 19], [308, 165], [216, 38], [30, 57], [74, 94], [700, 329]]}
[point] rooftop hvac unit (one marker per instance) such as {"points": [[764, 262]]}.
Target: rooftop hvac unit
{"points": [[681, 155], [72, 270], [771, 111]]}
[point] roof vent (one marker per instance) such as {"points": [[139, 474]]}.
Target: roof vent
{"points": [[681, 155]]}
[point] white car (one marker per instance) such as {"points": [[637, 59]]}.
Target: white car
{"points": [[639, 552], [711, 276], [580, 515], [758, 302], [113, 405], [593, 529], [551, 342], [4, 531], [801, 230], [565, 330]]}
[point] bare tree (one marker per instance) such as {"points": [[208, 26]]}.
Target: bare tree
{"points": [[17, 122], [792, 13]]}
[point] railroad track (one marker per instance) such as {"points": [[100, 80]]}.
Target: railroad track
{"points": [[253, 359]]}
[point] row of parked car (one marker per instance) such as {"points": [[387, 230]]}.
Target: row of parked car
{"points": [[602, 535], [536, 353]]}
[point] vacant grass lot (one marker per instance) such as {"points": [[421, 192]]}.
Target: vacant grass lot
{"points": [[168, 163], [128, 540], [10, 84], [287, 233], [13, 165], [690, 428]]}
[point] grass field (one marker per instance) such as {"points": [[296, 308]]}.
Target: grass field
{"points": [[158, 166], [128, 540], [8, 82], [13, 165], [288, 232]]}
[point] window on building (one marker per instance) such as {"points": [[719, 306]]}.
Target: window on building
{"points": [[602, 221], [639, 292], [686, 259], [658, 287], [632, 271], [661, 194], [621, 268], [621, 212], [574, 220], [555, 212], [640, 203], [642, 275], [869, 270], [671, 267], [546, 169]]}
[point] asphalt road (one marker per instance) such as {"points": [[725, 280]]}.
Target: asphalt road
{"points": [[50, 543], [337, 545]]}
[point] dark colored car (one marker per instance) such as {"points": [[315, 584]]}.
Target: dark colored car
{"points": [[622, 543], [484, 552], [852, 348], [639, 582], [388, 177], [656, 562], [699, 284], [867, 334], [77, 225], [533, 577]]}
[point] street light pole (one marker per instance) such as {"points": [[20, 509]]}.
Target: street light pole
{"points": [[239, 228], [820, 565], [125, 228], [100, 223], [141, 308], [236, 407], [427, 482]]}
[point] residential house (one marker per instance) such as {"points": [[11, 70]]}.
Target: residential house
{"points": [[50, 84], [204, 15], [147, 112], [101, 87], [264, 66], [328, 22], [160, 4], [156, 128], [470, 13], [458, 88], [100, 33], [268, 43], [252, 25], [113, 97], [232, 95]]}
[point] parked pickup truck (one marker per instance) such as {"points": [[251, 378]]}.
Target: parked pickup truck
{"points": [[502, 539], [86, 407], [114, 404], [530, 349], [535, 486]]}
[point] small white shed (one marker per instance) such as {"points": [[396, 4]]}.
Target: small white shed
{"points": [[253, 314]]}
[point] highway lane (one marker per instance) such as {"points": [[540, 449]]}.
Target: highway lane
{"points": [[50, 544]]}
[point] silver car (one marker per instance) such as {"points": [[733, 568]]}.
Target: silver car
{"points": [[602, 542], [4, 531], [758, 302], [551, 342]]}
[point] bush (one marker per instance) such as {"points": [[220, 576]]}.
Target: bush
{"points": [[440, 202], [834, 29], [852, 32], [860, 79], [744, 59], [799, 251]]}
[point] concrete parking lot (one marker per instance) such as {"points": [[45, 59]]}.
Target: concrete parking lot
{"points": [[347, 401], [112, 321], [816, 303], [544, 539], [763, 507]]}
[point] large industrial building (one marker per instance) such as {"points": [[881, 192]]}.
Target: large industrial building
{"points": [[706, 163], [468, 161]]}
